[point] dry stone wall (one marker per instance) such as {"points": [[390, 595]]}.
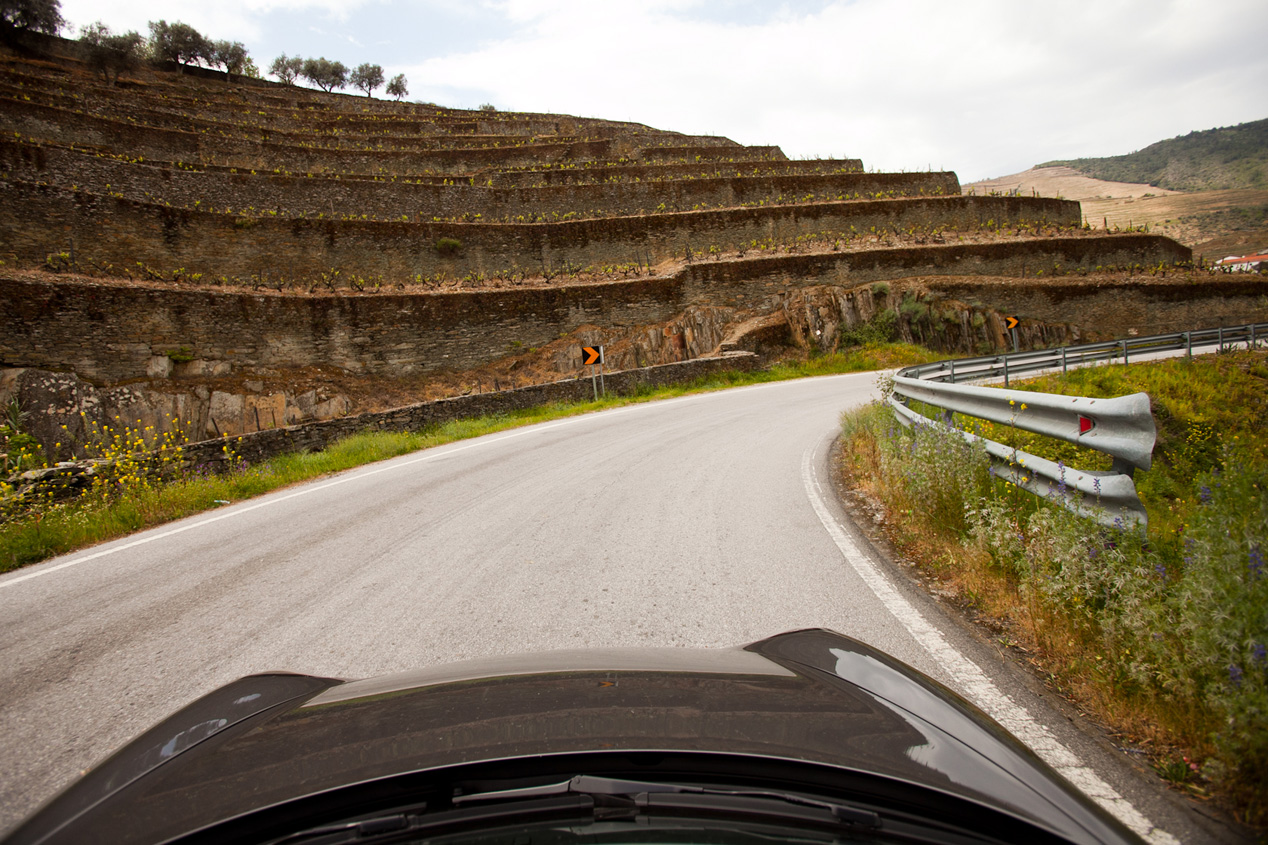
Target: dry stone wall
{"points": [[110, 333], [63, 397], [36, 221], [734, 282], [169, 144], [1143, 305], [318, 435], [391, 199], [611, 172]]}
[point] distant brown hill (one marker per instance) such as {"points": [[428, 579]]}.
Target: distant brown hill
{"points": [[1212, 223]]}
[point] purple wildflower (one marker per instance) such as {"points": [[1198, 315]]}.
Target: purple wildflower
{"points": [[1205, 494], [1235, 674], [1160, 570], [1259, 652], [1256, 563]]}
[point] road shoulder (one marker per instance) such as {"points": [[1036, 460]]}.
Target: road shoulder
{"points": [[984, 641]]}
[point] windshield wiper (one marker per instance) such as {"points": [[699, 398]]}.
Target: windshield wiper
{"points": [[598, 798], [632, 790]]}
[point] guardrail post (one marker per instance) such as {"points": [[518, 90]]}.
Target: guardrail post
{"points": [[953, 372], [1188, 343], [1064, 367], [1251, 345], [1005, 371], [1125, 361], [1221, 346]]}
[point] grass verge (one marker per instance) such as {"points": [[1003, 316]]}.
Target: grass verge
{"points": [[1162, 636], [129, 499]]}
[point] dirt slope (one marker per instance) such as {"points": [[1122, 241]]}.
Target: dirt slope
{"points": [[1213, 223]]}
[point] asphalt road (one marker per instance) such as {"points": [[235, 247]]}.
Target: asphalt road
{"points": [[702, 521]]}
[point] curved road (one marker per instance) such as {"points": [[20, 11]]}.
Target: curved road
{"points": [[701, 521]]}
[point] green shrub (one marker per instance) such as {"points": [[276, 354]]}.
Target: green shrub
{"points": [[913, 309], [19, 451], [882, 328], [448, 246]]}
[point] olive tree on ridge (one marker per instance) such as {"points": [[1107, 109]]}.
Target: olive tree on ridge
{"points": [[325, 74], [178, 42], [108, 52], [287, 69], [30, 15], [398, 86], [230, 55], [367, 77]]}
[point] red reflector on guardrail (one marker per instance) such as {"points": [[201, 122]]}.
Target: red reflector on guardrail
{"points": [[1086, 424]]}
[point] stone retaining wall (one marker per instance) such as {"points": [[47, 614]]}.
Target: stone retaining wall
{"points": [[108, 332], [164, 144], [36, 221], [609, 172], [315, 436], [387, 199]]}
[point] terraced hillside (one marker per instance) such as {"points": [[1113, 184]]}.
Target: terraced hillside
{"points": [[179, 240]]}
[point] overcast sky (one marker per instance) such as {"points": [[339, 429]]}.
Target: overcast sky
{"points": [[983, 87]]}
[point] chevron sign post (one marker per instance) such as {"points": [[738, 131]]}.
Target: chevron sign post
{"points": [[592, 357]]}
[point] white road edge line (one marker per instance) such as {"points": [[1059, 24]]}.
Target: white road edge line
{"points": [[970, 678], [356, 474]]}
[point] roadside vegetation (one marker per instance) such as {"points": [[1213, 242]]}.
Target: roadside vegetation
{"points": [[140, 479], [1162, 634]]}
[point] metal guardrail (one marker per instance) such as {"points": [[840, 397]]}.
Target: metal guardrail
{"points": [[1122, 427], [1016, 363]]}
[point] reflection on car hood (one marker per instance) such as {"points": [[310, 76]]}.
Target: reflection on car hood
{"points": [[812, 696]]}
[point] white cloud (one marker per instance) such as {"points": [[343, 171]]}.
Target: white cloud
{"points": [[979, 86]]}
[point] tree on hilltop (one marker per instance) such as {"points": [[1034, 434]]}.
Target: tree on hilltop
{"points": [[325, 74], [31, 15], [367, 77], [110, 53], [398, 87], [178, 42], [231, 55], [287, 70]]}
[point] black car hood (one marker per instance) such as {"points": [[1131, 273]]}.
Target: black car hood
{"points": [[812, 696]]}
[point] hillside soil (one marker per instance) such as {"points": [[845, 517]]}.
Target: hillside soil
{"points": [[1214, 224]]}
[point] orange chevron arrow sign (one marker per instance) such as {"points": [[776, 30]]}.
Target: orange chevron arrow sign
{"points": [[591, 355], [1011, 323]]}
